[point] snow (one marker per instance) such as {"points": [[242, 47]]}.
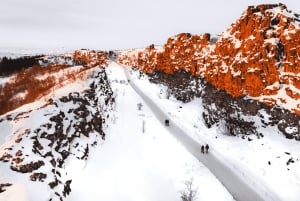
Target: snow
{"points": [[223, 67], [21, 95], [249, 158], [14, 52], [239, 185], [22, 189], [237, 73], [253, 69], [279, 11], [143, 160], [273, 86], [289, 103], [237, 43], [31, 116], [252, 37], [5, 128], [291, 130], [4, 80], [272, 41], [140, 160], [15, 192]]}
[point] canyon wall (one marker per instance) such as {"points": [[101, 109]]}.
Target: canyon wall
{"points": [[257, 56]]}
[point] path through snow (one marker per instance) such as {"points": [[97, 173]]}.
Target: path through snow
{"points": [[241, 185], [136, 163]]}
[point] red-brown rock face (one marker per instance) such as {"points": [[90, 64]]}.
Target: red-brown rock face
{"points": [[258, 55], [90, 58]]}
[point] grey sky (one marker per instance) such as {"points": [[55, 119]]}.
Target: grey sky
{"points": [[113, 24]]}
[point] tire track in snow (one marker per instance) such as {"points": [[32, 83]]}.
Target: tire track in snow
{"points": [[234, 181]]}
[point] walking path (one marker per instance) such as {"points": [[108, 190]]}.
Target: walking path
{"points": [[242, 186]]}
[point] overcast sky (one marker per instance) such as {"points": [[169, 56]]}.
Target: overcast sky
{"points": [[114, 24]]}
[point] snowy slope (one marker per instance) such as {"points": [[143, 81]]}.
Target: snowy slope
{"points": [[39, 139], [272, 161]]}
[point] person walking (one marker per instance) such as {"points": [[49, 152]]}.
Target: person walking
{"points": [[206, 148], [202, 149]]}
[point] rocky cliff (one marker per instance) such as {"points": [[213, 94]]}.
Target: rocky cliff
{"points": [[45, 138], [257, 56]]}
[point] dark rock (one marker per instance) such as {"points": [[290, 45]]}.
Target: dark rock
{"points": [[38, 176], [4, 186], [67, 188], [53, 183], [28, 167]]}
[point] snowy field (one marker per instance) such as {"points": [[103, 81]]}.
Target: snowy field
{"points": [[15, 52], [264, 160]]}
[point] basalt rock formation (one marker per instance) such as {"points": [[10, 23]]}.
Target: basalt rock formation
{"points": [[258, 55], [65, 128], [251, 68], [90, 58]]}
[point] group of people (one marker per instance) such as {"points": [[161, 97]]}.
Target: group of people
{"points": [[204, 149]]}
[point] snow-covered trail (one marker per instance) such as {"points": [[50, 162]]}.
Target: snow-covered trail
{"points": [[243, 187], [139, 160]]}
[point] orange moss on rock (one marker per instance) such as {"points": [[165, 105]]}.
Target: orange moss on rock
{"points": [[259, 49], [90, 58], [292, 93]]}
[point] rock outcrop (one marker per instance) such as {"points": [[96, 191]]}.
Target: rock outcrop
{"points": [[234, 116], [90, 58], [258, 55], [65, 128]]}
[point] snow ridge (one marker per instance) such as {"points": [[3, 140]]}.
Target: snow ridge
{"points": [[43, 140]]}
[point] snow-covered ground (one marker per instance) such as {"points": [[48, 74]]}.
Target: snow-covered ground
{"points": [[140, 160], [34, 115], [20, 52], [264, 160]]}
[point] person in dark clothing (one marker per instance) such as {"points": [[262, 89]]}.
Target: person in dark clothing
{"points": [[202, 149], [206, 148]]}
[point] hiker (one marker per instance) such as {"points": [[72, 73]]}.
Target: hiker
{"points": [[202, 149], [206, 148]]}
